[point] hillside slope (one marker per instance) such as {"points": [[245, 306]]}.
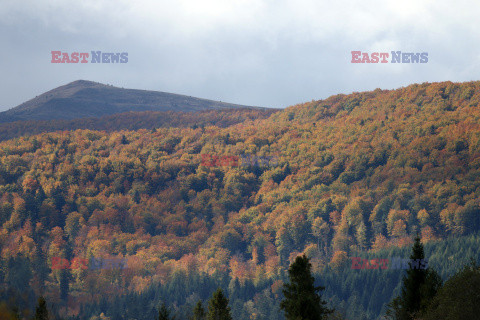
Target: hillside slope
{"points": [[137, 120], [358, 172], [81, 99]]}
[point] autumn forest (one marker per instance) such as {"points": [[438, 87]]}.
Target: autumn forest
{"points": [[357, 175]]}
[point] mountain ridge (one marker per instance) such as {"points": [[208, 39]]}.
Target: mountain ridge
{"points": [[82, 99]]}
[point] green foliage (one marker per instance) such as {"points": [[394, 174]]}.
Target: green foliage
{"points": [[164, 313], [199, 312], [218, 308], [301, 298], [419, 287], [459, 297]]}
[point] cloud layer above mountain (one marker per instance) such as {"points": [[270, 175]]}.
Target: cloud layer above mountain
{"points": [[253, 52]]}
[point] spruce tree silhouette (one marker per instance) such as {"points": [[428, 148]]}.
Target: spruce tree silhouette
{"points": [[218, 308], [419, 286], [302, 302], [198, 311], [164, 313], [41, 312]]}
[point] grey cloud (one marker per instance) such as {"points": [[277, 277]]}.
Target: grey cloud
{"points": [[265, 53]]}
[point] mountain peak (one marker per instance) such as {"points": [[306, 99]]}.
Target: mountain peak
{"points": [[84, 83], [84, 98]]}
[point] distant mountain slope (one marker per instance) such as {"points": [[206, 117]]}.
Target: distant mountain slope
{"points": [[136, 120], [81, 99]]}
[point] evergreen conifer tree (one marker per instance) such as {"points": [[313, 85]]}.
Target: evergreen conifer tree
{"points": [[164, 313], [41, 312], [419, 286], [301, 298], [198, 311], [218, 308], [458, 298]]}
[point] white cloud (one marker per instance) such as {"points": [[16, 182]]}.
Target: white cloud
{"points": [[259, 52]]}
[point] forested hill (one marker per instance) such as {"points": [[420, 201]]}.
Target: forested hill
{"points": [[83, 99], [137, 120], [363, 171]]}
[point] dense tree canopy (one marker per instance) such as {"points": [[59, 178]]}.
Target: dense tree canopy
{"points": [[458, 298], [356, 173]]}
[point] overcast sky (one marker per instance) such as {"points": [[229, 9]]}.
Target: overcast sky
{"points": [[254, 52]]}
